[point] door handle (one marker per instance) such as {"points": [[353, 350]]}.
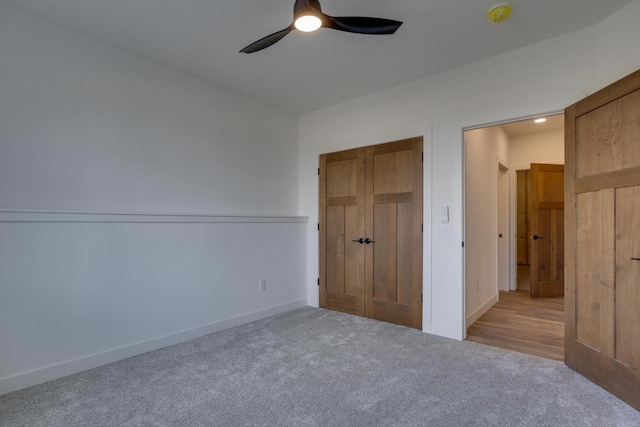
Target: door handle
{"points": [[367, 241], [360, 240], [536, 237], [635, 259]]}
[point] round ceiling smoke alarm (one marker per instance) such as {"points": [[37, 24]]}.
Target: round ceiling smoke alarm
{"points": [[499, 12]]}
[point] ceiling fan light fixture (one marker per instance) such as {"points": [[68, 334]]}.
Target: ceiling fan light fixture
{"points": [[308, 23], [308, 17]]}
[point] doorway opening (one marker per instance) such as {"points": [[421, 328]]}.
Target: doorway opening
{"points": [[502, 215]]}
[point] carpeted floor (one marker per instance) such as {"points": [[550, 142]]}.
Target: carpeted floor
{"points": [[314, 367]]}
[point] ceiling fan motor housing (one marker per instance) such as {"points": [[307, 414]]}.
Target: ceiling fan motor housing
{"points": [[302, 6]]}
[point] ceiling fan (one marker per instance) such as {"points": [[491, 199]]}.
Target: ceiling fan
{"points": [[308, 16]]}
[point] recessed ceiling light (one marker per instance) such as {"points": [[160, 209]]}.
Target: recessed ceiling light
{"points": [[542, 120]]}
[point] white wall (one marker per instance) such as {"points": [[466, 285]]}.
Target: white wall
{"points": [[484, 149], [81, 290], [539, 147], [540, 78], [87, 127]]}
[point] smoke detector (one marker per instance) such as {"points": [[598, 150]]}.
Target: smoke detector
{"points": [[499, 12]]}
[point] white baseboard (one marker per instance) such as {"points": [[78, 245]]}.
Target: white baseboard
{"points": [[482, 310], [59, 370]]}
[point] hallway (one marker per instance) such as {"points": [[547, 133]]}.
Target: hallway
{"points": [[517, 322]]}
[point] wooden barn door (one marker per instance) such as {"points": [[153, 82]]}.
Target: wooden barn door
{"points": [[371, 232], [602, 337]]}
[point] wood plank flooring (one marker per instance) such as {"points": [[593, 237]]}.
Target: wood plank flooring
{"points": [[520, 323]]}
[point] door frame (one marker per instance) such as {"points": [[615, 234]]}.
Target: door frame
{"points": [[478, 122], [504, 247]]}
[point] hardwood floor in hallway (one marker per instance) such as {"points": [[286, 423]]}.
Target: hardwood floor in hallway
{"points": [[520, 323]]}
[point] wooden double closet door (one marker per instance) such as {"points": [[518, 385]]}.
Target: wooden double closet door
{"points": [[371, 232]]}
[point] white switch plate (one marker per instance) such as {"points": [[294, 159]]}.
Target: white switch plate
{"points": [[444, 211], [444, 218]]}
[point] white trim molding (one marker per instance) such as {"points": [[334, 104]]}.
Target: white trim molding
{"points": [[108, 217]]}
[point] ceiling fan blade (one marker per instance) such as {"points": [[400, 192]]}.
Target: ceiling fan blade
{"points": [[265, 42], [361, 24]]}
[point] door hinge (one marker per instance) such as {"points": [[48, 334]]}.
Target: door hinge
{"points": [[421, 298], [422, 227], [318, 281], [422, 157], [463, 244], [318, 226], [318, 171]]}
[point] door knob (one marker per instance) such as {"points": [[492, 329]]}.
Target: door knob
{"points": [[536, 237], [367, 241], [360, 240]]}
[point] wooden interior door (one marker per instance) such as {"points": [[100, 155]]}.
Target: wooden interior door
{"points": [[547, 227], [393, 273], [370, 226], [341, 216], [523, 215], [602, 336]]}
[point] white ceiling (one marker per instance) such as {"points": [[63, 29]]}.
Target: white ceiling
{"points": [[305, 72], [524, 127]]}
